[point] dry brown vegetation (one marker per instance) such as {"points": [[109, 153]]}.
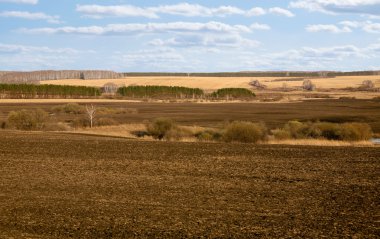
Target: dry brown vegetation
{"points": [[65, 186], [274, 115], [321, 142]]}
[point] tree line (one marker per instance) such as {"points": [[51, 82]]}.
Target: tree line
{"points": [[160, 91], [233, 93], [31, 91], [183, 92], [36, 76]]}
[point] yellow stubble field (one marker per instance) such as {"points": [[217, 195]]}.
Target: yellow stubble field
{"points": [[213, 83]]}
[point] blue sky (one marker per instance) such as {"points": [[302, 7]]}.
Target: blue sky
{"points": [[190, 36]]}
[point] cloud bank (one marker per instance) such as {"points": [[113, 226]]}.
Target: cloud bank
{"points": [[181, 9]]}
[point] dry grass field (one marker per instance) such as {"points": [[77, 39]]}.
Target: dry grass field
{"points": [[124, 130], [73, 186], [214, 83]]}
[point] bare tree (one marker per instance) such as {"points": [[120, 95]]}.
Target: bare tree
{"points": [[257, 84], [284, 86], [308, 85], [91, 111], [110, 88], [368, 84]]}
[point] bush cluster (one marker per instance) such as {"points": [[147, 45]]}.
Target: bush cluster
{"points": [[244, 132], [208, 135], [161, 128], [70, 108], [324, 130], [27, 120]]}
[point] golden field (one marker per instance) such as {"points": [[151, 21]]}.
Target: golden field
{"points": [[214, 83]]}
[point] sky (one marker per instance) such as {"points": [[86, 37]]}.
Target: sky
{"points": [[190, 36]]}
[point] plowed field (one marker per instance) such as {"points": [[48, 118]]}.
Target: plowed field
{"points": [[62, 186]]}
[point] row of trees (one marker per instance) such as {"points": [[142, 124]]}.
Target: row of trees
{"points": [[30, 91], [183, 92], [36, 76], [233, 93], [160, 91]]}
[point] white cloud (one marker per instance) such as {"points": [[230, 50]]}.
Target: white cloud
{"points": [[350, 24], [281, 12], [256, 11], [333, 53], [207, 41], [21, 1], [162, 59], [327, 28], [179, 27], [367, 26], [27, 57], [181, 9], [345, 57], [196, 10], [258, 26], [30, 16], [13, 48], [372, 28], [346, 27], [98, 11], [370, 7]]}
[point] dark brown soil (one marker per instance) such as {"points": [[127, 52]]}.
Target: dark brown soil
{"points": [[65, 186]]}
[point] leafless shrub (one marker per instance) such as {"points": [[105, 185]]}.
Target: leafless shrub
{"points": [[110, 88], [257, 84], [367, 85], [308, 85]]}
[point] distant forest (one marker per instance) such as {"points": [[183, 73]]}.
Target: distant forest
{"points": [[37, 76]]}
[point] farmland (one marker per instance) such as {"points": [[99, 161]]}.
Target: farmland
{"points": [[283, 89], [273, 114], [60, 186], [80, 184], [214, 83]]}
